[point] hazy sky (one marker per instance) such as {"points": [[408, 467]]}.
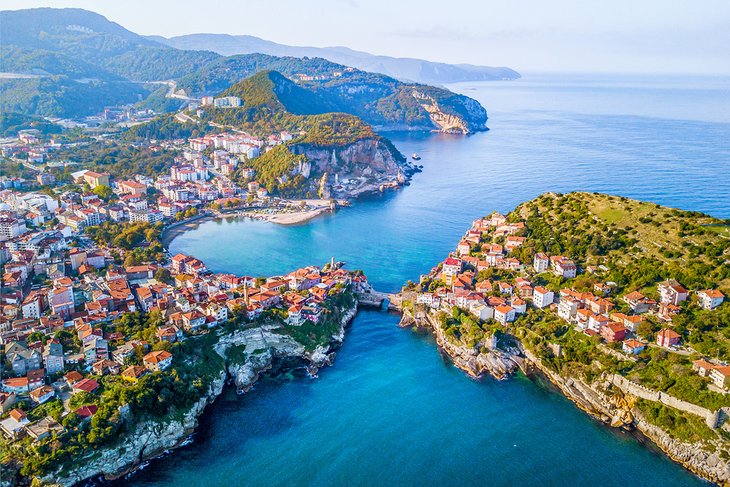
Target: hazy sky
{"points": [[691, 36]]}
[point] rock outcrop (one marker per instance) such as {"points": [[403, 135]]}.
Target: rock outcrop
{"points": [[474, 118], [150, 439], [353, 169], [473, 360], [602, 399]]}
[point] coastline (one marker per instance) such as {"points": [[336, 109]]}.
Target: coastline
{"points": [[173, 231], [607, 407], [120, 462]]}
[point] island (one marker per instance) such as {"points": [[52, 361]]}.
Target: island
{"points": [[619, 303]]}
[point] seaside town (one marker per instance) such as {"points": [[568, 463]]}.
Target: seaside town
{"points": [[199, 178], [623, 322], [92, 304]]}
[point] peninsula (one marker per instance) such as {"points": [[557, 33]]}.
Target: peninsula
{"points": [[619, 303]]}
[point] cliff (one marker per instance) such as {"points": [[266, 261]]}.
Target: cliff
{"points": [[465, 118], [248, 353], [475, 361], [149, 439], [608, 399], [356, 168], [606, 402]]}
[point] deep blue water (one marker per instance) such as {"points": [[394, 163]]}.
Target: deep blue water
{"points": [[391, 411]]}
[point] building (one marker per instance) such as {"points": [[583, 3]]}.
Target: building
{"points": [[637, 302], [158, 360], [42, 394], [564, 267], [227, 102], [21, 359], [613, 332], [14, 424], [132, 187], [541, 262], [721, 376], [504, 314], [45, 178], [294, 315], [53, 357], [703, 367], [671, 292], [85, 385], [33, 305], [668, 338], [634, 347], [95, 179], [11, 228], [710, 298], [542, 297]]}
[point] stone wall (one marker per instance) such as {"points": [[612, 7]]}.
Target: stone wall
{"points": [[712, 418]]}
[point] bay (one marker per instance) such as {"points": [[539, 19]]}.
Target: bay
{"points": [[391, 411]]}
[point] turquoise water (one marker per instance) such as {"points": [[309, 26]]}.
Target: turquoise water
{"points": [[391, 410]]}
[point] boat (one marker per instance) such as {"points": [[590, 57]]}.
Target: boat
{"points": [[416, 157]]}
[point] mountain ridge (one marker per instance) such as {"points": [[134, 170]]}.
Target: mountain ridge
{"points": [[86, 62], [403, 68]]}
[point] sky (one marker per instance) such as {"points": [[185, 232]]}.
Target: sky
{"points": [[616, 36]]}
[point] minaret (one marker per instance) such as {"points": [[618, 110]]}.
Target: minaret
{"points": [[332, 264], [245, 294]]}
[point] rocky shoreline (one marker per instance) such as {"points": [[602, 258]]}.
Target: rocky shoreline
{"points": [[152, 439], [600, 399]]}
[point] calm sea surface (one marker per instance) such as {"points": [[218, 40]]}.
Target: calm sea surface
{"points": [[391, 411]]}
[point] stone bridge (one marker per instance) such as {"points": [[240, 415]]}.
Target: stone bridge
{"points": [[373, 298]]}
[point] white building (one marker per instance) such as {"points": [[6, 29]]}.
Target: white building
{"points": [[710, 298], [540, 263], [542, 297], [11, 228]]}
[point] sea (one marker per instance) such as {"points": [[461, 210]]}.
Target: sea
{"points": [[392, 410]]}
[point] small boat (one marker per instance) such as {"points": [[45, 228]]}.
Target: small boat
{"points": [[416, 157]]}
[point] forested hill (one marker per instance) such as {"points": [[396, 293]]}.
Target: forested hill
{"points": [[72, 62]]}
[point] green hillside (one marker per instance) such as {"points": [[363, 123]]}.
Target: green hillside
{"points": [[77, 50], [643, 242]]}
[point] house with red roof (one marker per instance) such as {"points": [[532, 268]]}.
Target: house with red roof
{"points": [[710, 298], [613, 332], [632, 346], [504, 314], [157, 360], [721, 376], [86, 412], [672, 292], [668, 338], [85, 385]]}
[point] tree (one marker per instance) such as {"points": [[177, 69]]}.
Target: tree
{"points": [[645, 330], [104, 192], [163, 275], [34, 337]]}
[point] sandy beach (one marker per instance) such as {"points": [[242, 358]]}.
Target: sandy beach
{"points": [[294, 217], [281, 218]]}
